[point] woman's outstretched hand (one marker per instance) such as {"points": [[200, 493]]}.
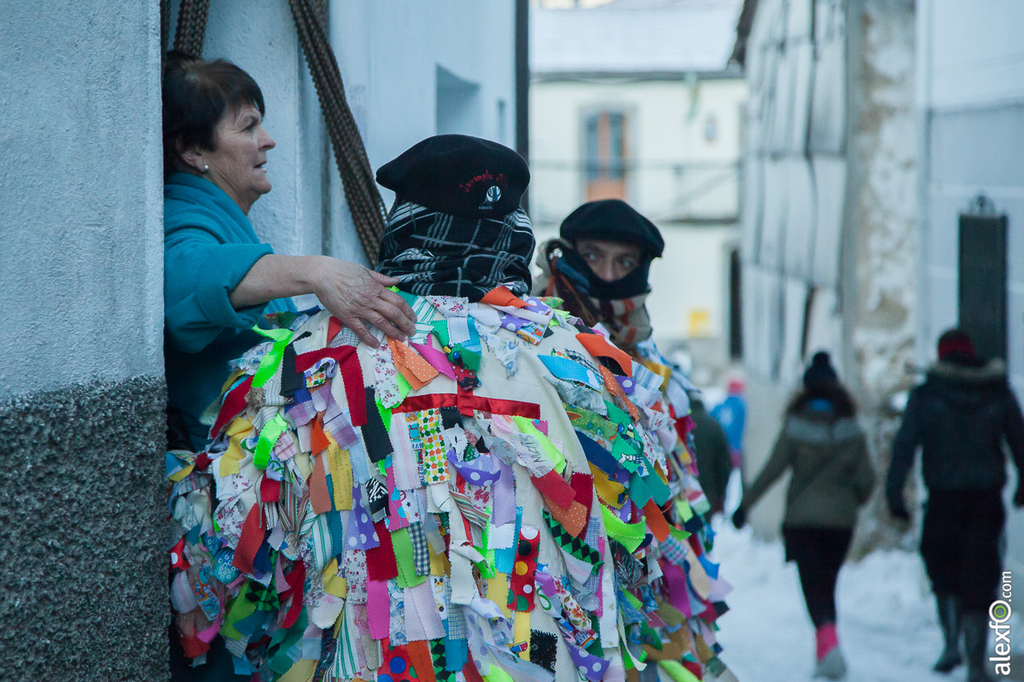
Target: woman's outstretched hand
{"points": [[356, 295]]}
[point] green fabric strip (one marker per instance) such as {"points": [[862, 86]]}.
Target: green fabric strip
{"points": [[272, 360], [404, 556], [269, 434], [283, 640], [527, 426], [630, 535]]}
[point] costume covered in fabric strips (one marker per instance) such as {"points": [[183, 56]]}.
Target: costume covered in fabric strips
{"points": [[502, 496], [620, 308]]}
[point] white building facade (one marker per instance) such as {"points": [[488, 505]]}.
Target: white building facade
{"points": [[970, 96], [829, 224]]}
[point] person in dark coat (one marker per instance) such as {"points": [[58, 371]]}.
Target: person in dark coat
{"points": [[714, 465], [826, 449], [960, 417]]}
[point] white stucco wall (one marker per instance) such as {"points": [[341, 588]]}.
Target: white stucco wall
{"points": [[389, 53], [81, 253], [974, 55], [972, 111]]}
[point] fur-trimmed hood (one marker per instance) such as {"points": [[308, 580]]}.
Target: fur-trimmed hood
{"points": [[966, 386], [993, 371]]}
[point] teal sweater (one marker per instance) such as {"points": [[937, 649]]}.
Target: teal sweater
{"points": [[209, 246]]}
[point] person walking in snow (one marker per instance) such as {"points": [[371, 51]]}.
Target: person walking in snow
{"points": [[711, 450], [824, 446], [731, 413], [960, 417]]}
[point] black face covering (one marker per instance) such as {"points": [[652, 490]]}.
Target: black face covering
{"points": [[576, 269]]}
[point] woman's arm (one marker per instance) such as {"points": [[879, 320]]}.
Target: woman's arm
{"points": [[865, 478], [777, 464], [352, 293]]}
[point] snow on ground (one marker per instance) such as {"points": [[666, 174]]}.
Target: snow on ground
{"points": [[887, 626]]}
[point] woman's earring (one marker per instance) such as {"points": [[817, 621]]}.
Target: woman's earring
{"points": [[206, 168]]}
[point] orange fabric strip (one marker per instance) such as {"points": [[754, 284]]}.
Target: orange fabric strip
{"points": [[502, 296], [656, 520], [416, 370], [573, 519], [319, 493], [318, 441], [422, 661], [615, 388], [598, 346]]}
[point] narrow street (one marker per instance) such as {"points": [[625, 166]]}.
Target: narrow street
{"points": [[887, 624]]}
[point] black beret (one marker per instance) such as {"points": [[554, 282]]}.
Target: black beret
{"points": [[613, 220], [460, 175]]}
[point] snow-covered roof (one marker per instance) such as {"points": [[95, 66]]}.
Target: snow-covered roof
{"points": [[634, 36]]}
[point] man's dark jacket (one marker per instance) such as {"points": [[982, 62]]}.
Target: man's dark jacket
{"points": [[959, 416], [714, 465]]}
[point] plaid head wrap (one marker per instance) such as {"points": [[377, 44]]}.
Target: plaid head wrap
{"points": [[438, 254]]}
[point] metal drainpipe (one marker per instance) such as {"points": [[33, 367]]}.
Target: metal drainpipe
{"points": [[522, 47]]}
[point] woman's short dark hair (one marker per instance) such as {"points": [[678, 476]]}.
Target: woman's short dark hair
{"points": [[196, 93]]}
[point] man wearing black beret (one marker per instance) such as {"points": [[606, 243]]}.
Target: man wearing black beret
{"points": [[600, 265]]}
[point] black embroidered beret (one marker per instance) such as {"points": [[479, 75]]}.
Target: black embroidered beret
{"points": [[460, 175]]}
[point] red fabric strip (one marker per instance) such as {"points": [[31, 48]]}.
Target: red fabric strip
{"points": [[465, 407], [193, 646], [470, 672], [516, 408], [270, 490], [234, 403], [296, 580], [352, 375], [695, 544], [252, 537], [418, 403], [583, 485], [333, 327], [513, 408], [380, 561], [554, 487]]}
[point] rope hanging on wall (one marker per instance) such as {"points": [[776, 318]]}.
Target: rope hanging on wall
{"points": [[191, 30], [364, 200]]}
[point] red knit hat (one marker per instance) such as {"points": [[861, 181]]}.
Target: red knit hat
{"points": [[955, 342]]}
